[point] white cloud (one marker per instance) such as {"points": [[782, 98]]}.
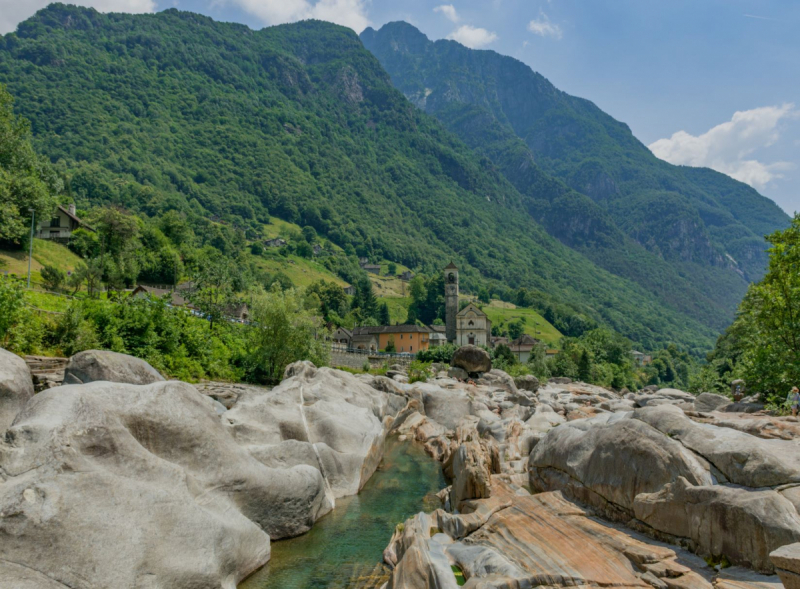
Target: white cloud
{"points": [[729, 147], [348, 13], [472, 37], [449, 11], [13, 12], [544, 28]]}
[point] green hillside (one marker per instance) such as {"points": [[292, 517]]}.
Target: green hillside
{"points": [[234, 127], [691, 237]]}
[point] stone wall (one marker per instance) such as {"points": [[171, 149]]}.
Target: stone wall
{"points": [[356, 360]]}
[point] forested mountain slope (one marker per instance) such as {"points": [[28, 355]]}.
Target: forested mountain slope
{"points": [[176, 111], [692, 237]]}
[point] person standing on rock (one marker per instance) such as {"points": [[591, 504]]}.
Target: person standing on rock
{"points": [[793, 398]]}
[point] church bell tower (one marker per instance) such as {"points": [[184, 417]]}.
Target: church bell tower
{"points": [[451, 301]]}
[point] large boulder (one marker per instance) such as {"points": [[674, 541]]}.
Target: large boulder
{"points": [[116, 485], [708, 402], [527, 382], [16, 387], [473, 359], [786, 560], [471, 474], [327, 419], [445, 406], [740, 524], [741, 458], [102, 365], [608, 460]]}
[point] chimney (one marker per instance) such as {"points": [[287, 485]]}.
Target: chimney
{"points": [[72, 208]]}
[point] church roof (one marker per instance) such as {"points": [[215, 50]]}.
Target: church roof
{"points": [[471, 307], [451, 266]]}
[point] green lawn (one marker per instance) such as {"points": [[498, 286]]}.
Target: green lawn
{"points": [[45, 253], [535, 325], [398, 308], [301, 272]]}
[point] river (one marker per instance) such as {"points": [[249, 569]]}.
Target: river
{"points": [[344, 549]]}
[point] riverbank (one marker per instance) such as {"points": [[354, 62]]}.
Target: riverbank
{"points": [[344, 549]]}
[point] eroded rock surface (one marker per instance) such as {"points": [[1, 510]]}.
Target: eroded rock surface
{"points": [[321, 418], [16, 387]]}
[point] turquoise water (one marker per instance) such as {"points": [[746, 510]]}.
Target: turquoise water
{"points": [[345, 548]]}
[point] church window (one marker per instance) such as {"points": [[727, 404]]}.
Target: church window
{"points": [[472, 323]]}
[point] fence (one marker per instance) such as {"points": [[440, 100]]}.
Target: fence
{"points": [[354, 358]]}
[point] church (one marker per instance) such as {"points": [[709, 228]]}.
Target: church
{"points": [[469, 325]]}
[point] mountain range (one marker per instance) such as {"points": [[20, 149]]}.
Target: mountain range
{"points": [[453, 155], [692, 237]]}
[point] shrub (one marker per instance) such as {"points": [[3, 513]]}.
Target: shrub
{"points": [[53, 277]]}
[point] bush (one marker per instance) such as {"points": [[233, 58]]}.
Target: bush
{"points": [[418, 371], [53, 277], [442, 354]]}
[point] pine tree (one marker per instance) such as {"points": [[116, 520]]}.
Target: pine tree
{"points": [[383, 314]]}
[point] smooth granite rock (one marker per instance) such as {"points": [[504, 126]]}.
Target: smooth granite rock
{"points": [[472, 359], [117, 485], [324, 418], [16, 387], [102, 365]]}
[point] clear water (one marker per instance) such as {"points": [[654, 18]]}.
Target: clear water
{"points": [[345, 548]]}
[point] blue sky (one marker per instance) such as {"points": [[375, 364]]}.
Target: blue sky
{"points": [[702, 82]]}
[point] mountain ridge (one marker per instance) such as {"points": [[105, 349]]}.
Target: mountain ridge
{"points": [[176, 111], [537, 133]]}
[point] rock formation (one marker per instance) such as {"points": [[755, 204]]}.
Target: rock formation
{"points": [[472, 359], [102, 365], [16, 387]]}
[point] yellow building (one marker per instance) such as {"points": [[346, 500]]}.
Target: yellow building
{"points": [[407, 338]]}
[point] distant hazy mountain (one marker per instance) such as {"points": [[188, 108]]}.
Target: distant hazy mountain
{"points": [[175, 111], [692, 237]]}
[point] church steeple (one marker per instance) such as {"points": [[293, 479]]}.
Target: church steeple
{"points": [[451, 301]]}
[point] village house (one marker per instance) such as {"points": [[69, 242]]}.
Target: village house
{"points": [[407, 275], [473, 327], [342, 337], [61, 225], [437, 336], [175, 296], [407, 338], [522, 347], [350, 290], [237, 312], [364, 341], [372, 268], [276, 242], [641, 359]]}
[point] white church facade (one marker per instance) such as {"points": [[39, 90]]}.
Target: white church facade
{"points": [[469, 325]]}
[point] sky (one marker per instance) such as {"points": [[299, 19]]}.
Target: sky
{"points": [[711, 83]]}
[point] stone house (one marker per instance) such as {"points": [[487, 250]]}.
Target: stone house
{"points": [[342, 337], [276, 242], [364, 341], [350, 290], [372, 268], [176, 298]]}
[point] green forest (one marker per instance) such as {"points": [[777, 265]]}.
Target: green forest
{"points": [[228, 127], [691, 237]]}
